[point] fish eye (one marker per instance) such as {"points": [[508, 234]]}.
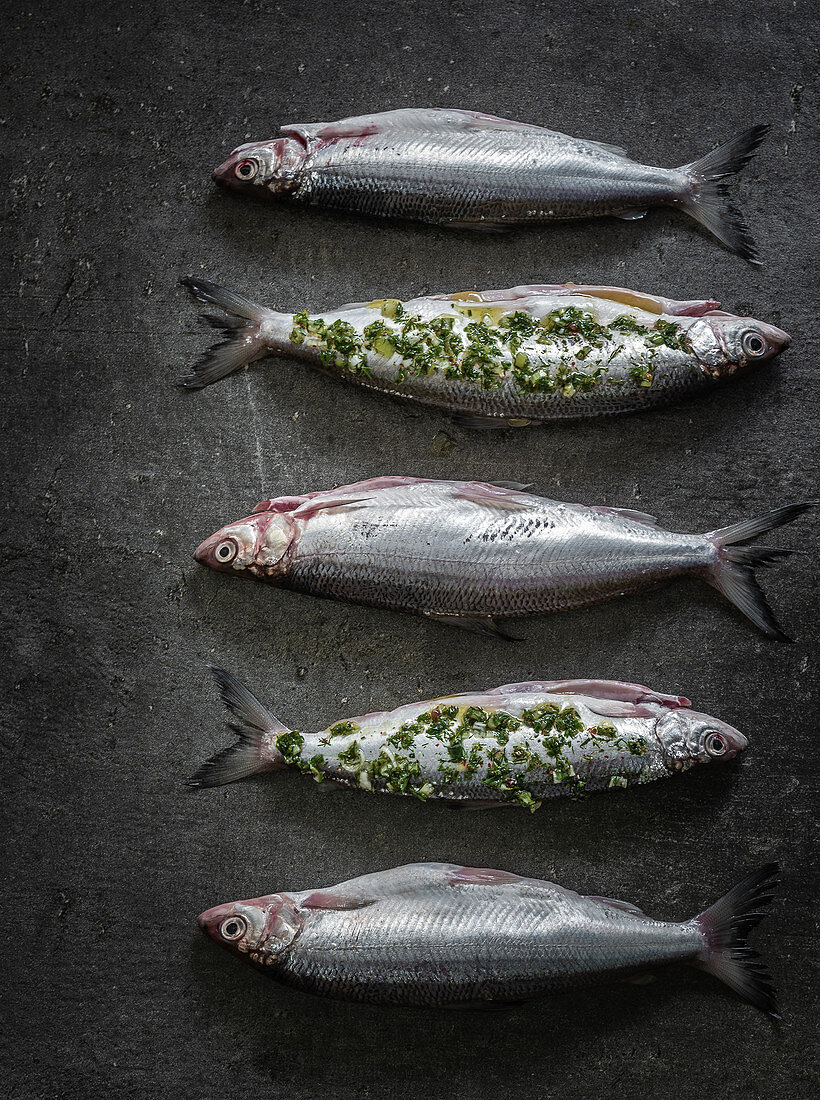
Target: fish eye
{"points": [[715, 744], [233, 928], [246, 169], [754, 344], [225, 551]]}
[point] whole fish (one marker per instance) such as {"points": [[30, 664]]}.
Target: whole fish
{"points": [[468, 552], [500, 358], [516, 744], [465, 169], [440, 934]]}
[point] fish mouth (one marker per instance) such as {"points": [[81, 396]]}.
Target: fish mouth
{"points": [[224, 174], [204, 552]]}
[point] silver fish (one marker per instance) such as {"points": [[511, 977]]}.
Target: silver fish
{"points": [[503, 357], [467, 169], [467, 552], [440, 934], [516, 744]]}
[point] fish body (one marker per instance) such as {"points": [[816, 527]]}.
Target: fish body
{"points": [[525, 355], [469, 170], [468, 552], [438, 934], [517, 744]]}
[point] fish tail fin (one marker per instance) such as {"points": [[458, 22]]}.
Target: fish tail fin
{"points": [[726, 926], [257, 730], [733, 573], [242, 329], [707, 199]]}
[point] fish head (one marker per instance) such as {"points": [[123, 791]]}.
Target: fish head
{"points": [[259, 929], [256, 546], [688, 737], [725, 344], [266, 168]]}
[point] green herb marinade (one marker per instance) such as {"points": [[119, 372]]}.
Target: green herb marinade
{"points": [[488, 353], [544, 736]]}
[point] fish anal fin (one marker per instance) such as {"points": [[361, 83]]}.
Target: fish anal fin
{"points": [[483, 625], [480, 423], [631, 215]]}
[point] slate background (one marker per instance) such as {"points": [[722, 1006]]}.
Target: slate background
{"points": [[112, 120]]}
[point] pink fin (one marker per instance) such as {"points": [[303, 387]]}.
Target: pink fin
{"points": [[651, 303], [405, 119], [323, 899], [343, 495], [481, 876], [616, 903], [279, 504], [618, 690], [493, 496], [614, 708]]}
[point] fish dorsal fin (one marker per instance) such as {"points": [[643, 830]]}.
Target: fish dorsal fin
{"points": [[616, 903], [626, 513]]}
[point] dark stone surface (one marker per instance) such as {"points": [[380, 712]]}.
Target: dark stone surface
{"points": [[112, 118]]}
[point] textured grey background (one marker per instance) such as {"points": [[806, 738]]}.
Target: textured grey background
{"points": [[112, 118]]}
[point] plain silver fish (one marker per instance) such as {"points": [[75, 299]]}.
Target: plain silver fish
{"points": [[440, 934], [466, 552], [466, 169], [502, 357], [516, 744]]}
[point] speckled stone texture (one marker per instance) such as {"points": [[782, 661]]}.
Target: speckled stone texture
{"points": [[112, 118]]}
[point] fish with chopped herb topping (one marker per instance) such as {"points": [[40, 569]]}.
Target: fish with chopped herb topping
{"points": [[440, 934], [517, 744], [502, 358], [464, 169], [467, 553]]}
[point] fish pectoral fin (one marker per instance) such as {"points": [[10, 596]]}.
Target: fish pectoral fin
{"points": [[313, 507], [607, 690], [325, 899], [616, 903], [493, 497], [626, 513], [619, 708], [631, 215], [405, 119], [484, 625]]}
